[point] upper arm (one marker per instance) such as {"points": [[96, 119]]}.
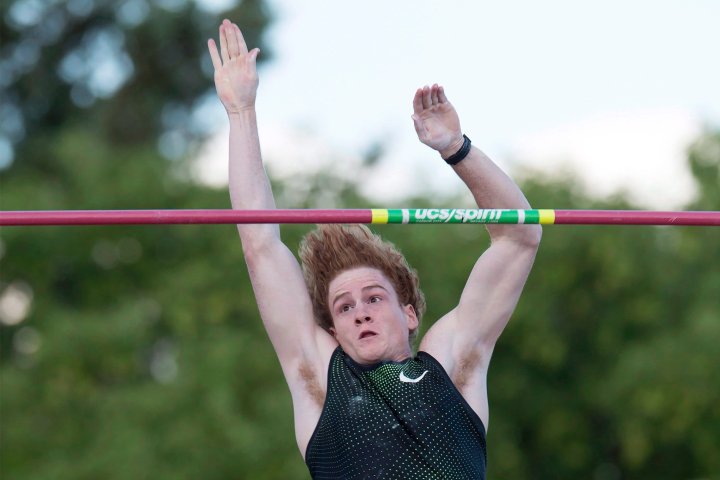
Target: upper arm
{"points": [[492, 292], [286, 310], [463, 340], [466, 336], [302, 346]]}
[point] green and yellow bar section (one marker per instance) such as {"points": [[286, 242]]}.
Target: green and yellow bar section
{"points": [[364, 216], [463, 215]]}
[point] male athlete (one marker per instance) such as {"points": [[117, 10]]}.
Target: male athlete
{"points": [[364, 407]]}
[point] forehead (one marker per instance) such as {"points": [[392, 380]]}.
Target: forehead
{"points": [[357, 278]]}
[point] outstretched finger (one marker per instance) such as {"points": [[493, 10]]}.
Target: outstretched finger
{"points": [[231, 39], [214, 55], [223, 44], [434, 94], [242, 45], [417, 101], [426, 98], [441, 95]]}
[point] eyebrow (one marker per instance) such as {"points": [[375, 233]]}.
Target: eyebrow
{"points": [[368, 287]]}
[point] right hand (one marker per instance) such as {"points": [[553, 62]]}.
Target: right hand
{"points": [[236, 79]]}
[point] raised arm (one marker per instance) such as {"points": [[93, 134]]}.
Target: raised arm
{"points": [[302, 347], [464, 338], [438, 126], [236, 81]]}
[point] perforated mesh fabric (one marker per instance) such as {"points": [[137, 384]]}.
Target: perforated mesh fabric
{"points": [[395, 420]]}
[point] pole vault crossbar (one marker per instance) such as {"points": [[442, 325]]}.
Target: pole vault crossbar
{"points": [[366, 216]]}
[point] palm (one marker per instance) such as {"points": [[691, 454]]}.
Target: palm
{"points": [[236, 78], [236, 83], [436, 121]]}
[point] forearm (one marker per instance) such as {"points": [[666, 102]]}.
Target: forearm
{"points": [[492, 188], [248, 182], [438, 126]]}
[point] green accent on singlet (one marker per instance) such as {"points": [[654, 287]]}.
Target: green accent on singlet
{"points": [[376, 426]]}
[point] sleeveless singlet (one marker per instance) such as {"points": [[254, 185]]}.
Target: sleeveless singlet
{"points": [[395, 420]]}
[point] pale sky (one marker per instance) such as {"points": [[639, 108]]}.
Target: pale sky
{"points": [[614, 90]]}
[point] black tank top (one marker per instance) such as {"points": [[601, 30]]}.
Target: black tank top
{"points": [[395, 420]]}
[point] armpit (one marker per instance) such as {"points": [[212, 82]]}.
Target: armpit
{"points": [[466, 368], [311, 384]]}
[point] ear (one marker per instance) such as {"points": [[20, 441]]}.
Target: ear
{"points": [[413, 321], [333, 332]]}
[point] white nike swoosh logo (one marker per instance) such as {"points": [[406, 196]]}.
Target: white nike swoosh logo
{"points": [[405, 379]]}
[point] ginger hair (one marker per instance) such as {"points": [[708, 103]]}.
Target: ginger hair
{"points": [[330, 250]]}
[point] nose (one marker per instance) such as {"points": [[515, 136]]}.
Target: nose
{"points": [[361, 315], [360, 319]]}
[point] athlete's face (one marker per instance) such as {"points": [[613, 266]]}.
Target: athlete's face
{"points": [[369, 322]]}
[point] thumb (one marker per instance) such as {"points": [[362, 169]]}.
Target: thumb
{"points": [[254, 54], [417, 123]]}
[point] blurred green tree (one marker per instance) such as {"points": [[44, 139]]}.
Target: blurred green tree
{"points": [[609, 369], [131, 72]]}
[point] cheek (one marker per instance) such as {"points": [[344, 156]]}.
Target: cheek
{"points": [[342, 327]]}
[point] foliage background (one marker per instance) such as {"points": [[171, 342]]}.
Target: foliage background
{"points": [[142, 355]]}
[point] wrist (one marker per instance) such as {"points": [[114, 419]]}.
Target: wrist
{"points": [[452, 148], [242, 119], [241, 111], [460, 153]]}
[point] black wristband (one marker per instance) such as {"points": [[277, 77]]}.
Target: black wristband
{"points": [[455, 158]]}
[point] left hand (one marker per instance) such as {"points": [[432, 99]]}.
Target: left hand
{"points": [[436, 121]]}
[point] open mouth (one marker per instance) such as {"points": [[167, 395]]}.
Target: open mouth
{"points": [[367, 334]]}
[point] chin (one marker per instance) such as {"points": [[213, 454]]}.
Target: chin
{"points": [[369, 353]]}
